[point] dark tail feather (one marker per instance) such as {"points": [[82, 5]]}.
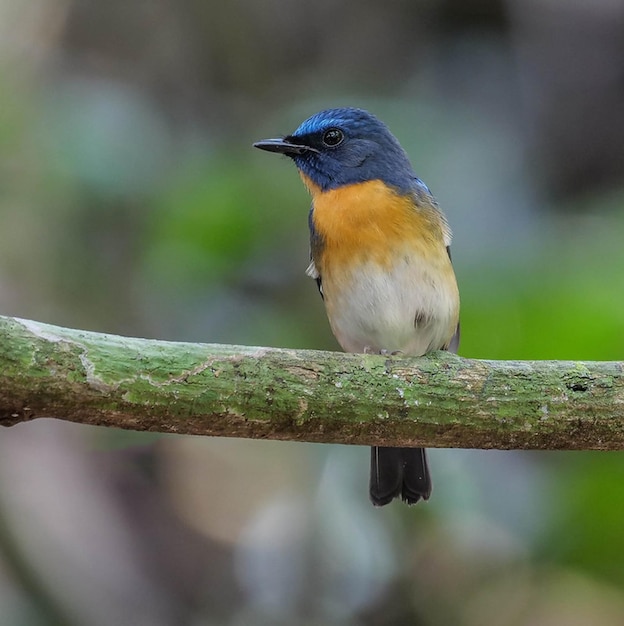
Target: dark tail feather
{"points": [[399, 472]]}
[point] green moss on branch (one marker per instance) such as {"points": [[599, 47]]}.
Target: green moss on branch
{"points": [[441, 400]]}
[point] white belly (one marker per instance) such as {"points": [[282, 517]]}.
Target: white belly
{"points": [[406, 309]]}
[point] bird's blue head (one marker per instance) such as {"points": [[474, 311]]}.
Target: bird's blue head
{"points": [[340, 147]]}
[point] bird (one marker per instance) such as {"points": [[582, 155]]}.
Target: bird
{"points": [[380, 255]]}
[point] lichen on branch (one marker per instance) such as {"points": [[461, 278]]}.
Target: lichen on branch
{"points": [[440, 400]]}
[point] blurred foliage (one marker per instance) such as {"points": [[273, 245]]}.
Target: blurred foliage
{"points": [[561, 302], [132, 202]]}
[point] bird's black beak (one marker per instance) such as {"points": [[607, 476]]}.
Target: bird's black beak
{"points": [[283, 146]]}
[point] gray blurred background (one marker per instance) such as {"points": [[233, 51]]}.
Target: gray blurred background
{"points": [[131, 202]]}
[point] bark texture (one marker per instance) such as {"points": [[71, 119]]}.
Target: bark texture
{"points": [[441, 400]]}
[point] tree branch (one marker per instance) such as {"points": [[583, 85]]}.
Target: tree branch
{"points": [[440, 400]]}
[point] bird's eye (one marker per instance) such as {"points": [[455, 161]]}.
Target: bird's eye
{"points": [[333, 137]]}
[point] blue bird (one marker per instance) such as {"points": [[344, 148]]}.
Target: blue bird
{"points": [[380, 254]]}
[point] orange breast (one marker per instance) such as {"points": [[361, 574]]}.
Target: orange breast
{"points": [[370, 222]]}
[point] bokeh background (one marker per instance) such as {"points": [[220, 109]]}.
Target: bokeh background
{"points": [[132, 202]]}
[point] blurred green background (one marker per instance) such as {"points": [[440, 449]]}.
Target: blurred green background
{"points": [[132, 202]]}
